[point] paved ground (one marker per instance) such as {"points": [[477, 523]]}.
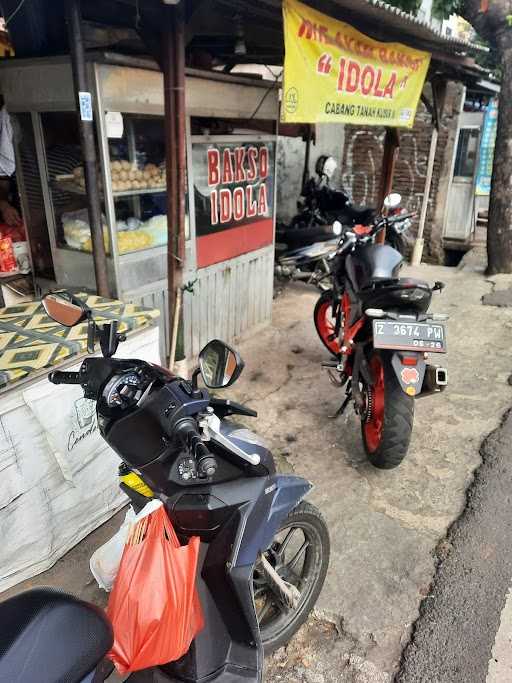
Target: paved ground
{"points": [[385, 526], [464, 632]]}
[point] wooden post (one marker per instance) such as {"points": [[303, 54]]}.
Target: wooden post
{"points": [[417, 251], [86, 126], [305, 172], [438, 96], [391, 146], [175, 142]]}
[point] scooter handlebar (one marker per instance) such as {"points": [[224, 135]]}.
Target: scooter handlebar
{"points": [[206, 461], [399, 217], [64, 377]]}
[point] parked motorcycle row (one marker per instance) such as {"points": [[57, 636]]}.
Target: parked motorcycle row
{"points": [[264, 550]]}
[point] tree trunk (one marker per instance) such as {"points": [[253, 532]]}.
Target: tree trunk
{"points": [[491, 21], [499, 231]]}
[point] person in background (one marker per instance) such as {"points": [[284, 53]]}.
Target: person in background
{"points": [[9, 213]]}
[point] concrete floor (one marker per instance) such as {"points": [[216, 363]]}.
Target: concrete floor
{"points": [[385, 525]]}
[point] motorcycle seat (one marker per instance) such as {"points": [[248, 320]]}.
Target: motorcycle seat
{"points": [[50, 637], [413, 282], [399, 293], [360, 214], [404, 282]]}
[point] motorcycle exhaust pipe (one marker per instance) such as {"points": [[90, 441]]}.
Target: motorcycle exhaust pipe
{"points": [[435, 380], [291, 272]]}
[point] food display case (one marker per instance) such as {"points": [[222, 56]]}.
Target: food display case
{"points": [[231, 125]]}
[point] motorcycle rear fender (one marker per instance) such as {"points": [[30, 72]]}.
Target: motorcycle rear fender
{"points": [[409, 375]]}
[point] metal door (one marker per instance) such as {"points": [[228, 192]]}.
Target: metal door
{"points": [[459, 221]]}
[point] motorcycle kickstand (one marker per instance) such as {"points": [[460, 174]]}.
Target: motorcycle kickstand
{"points": [[336, 376], [343, 406]]}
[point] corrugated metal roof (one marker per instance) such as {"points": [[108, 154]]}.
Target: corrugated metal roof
{"points": [[375, 9]]}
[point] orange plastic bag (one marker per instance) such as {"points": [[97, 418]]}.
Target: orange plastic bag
{"points": [[154, 606]]}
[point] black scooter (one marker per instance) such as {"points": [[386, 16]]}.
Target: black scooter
{"points": [[318, 207], [312, 264], [264, 552]]}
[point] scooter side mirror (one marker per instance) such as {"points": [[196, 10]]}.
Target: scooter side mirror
{"points": [[69, 311], [220, 365], [65, 309]]}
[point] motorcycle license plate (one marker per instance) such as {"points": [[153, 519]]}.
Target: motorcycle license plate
{"points": [[409, 336]]}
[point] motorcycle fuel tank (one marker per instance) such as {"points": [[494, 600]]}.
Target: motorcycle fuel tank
{"points": [[372, 263]]}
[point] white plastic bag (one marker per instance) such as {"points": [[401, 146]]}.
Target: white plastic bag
{"points": [[104, 562]]}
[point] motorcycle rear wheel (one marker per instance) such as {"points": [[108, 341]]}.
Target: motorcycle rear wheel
{"points": [[325, 323], [387, 423], [300, 554]]}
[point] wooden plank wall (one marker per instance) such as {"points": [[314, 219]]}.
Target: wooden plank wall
{"points": [[155, 296], [229, 299]]}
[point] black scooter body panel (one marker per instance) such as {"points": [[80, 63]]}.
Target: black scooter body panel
{"points": [[230, 649]]}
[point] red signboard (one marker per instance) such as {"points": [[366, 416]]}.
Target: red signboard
{"points": [[234, 199]]}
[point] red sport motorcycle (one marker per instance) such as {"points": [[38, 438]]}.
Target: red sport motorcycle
{"points": [[379, 330]]}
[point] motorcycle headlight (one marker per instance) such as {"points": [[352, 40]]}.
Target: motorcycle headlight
{"points": [[337, 228]]}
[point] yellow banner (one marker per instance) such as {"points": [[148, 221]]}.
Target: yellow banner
{"points": [[333, 73]]}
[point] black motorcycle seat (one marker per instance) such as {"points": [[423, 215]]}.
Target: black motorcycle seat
{"points": [[413, 282], [50, 637], [398, 282], [360, 214]]}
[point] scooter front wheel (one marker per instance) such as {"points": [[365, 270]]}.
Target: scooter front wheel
{"points": [[299, 553]]}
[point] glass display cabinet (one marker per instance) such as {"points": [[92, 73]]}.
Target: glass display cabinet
{"points": [[128, 117]]}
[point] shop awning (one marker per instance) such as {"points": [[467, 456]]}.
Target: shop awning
{"points": [[226, 31]]}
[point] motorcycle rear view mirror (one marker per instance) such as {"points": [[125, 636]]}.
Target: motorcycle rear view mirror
{"points": [[329, 168], [393, 200], [65, 309], [220, 365]]}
